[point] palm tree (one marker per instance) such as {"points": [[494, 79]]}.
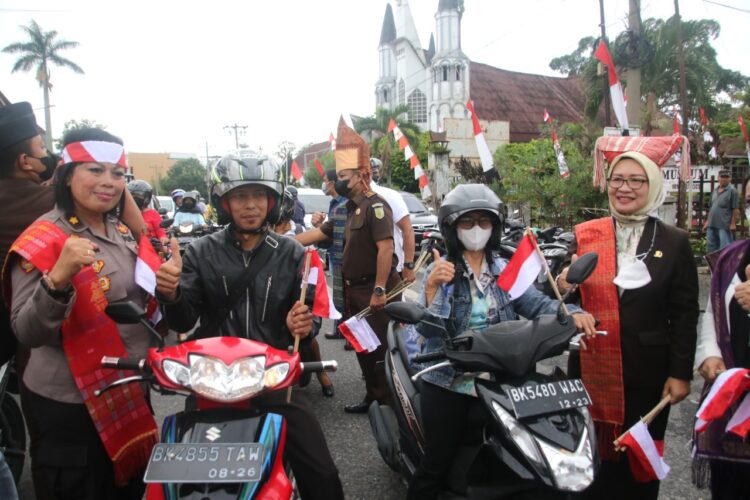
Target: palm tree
{"points": [[39, 52], [381, 141]]}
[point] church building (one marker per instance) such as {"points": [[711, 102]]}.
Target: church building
{"points": [[435, 83]]}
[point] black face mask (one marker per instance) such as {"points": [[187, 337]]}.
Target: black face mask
{"points": [[342, 187], [50, 163]]}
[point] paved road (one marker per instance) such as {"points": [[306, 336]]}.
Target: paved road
{"points": [[364, 474]]}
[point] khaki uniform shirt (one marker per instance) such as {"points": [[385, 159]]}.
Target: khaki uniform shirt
{"points": [[368, 221], [36, 317]]}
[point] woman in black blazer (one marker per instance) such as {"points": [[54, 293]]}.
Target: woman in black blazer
{"points": [[645, 294]]}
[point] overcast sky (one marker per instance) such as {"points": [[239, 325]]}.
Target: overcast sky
{"points": [[167, 76]]}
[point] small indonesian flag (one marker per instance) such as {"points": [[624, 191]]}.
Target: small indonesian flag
{"points": [[522, 269], [727, 389], [332, 141], [615, 89], [675, 122], [482, 147], [146, 266], [323, 304], [740, 422], [644, 455], [546, 118], [319, 168], [296, 172], [360, 334]]}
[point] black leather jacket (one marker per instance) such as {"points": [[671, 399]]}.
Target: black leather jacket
{"points": [[211, 268]]}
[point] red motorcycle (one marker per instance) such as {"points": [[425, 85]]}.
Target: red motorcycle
{"points": [[226, 448]]}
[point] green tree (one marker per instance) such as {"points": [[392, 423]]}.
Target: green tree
{"points": [[188, 174], [382, 144], [657, 59], [40, 51], [76, 125]]}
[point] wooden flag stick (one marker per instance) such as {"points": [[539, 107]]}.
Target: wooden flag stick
{"points": [[302, 296], [647, 418], [549, 274]]}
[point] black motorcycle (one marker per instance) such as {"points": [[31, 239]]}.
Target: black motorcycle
{"points": [[532, 437]]}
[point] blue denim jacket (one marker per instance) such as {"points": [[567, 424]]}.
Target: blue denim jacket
{"points": [[456, 298]]}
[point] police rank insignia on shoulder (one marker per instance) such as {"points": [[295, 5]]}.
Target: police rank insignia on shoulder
{"points": [[105, 283], [122, 228], [73, 220], [25, 265], [97, 266], [379, 210]]}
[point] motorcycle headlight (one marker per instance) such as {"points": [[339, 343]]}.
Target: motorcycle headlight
{"points": [[573, 471], [211, 378], [186, 228], [521, 437]]}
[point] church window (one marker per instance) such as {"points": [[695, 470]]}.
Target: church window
{"points": [[401, 92], [385, 95], [458, 72], [417, 103], [445, 73]]}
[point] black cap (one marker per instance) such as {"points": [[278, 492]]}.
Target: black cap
{"points": [[17, 123], [725, 172]]}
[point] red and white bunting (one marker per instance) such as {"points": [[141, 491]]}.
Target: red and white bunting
{"points": [[411, 157], [296, 172], [726, 390], [484, 150], [522, 269], [360, 334], [644, 455], [546, 118], [741, 121], [319, 168], [615, 89], [332, 141], [323, 303]]}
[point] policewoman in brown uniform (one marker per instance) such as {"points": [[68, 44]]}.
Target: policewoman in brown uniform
{"points": [[369, 265]]}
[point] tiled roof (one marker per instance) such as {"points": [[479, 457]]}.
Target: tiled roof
{"points": [[520, 98]]}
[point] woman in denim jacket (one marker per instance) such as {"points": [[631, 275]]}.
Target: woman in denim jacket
{"points": [[462, 289]]}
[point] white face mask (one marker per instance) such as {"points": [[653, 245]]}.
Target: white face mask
{"points": [[632, 276], [475, 238]]}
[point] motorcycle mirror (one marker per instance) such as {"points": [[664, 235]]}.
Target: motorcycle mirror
{"points": [[163, 211], [582, 268], [126, 313], [166, 223], [405, 312]]}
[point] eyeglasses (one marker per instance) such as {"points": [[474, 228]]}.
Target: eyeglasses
{"points": [[633, 183], [469, 222]]}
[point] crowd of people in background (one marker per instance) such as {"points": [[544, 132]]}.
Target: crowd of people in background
{"points": [[70, 235]]}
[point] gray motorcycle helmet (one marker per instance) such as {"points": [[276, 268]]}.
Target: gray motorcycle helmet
{"points": [[463, 199], [235, 170]]}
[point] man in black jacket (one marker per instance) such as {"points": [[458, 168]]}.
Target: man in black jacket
{"points": [[244, 281]]}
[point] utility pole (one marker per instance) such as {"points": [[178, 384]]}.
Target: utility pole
{"points": [[681, 207], [633, 90], [238, 131], [605, 81]]}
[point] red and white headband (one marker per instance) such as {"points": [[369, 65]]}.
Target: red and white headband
{"points": [[94, 151]]}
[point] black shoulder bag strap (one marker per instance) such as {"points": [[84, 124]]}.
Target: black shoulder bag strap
{"points": [[259, 260]]}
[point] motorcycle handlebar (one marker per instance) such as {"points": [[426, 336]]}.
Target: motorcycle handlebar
{"points": [[123, 363], [319, 366], [430, 356]]}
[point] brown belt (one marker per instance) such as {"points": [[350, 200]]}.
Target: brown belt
{"points": [[362, 280]]}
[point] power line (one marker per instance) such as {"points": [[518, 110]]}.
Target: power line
{"points": [[739, 9]]}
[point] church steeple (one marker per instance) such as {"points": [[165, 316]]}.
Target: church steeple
{"points": [[388, 32], [449, 66], [406, 27]]}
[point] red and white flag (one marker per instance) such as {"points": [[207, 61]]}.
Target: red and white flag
{"points": [[323, 304], [644, 455], [546, 118], [332, 141], [615, 89], [360, 334], [296, 172], [727, 389], [146, 266], [522, 269], [482, 147], [740, 422], [319, 168], [741, 121], [413, 159]]}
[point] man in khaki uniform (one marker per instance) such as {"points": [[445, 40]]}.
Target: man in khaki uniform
{"points": [[369, 264]]}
